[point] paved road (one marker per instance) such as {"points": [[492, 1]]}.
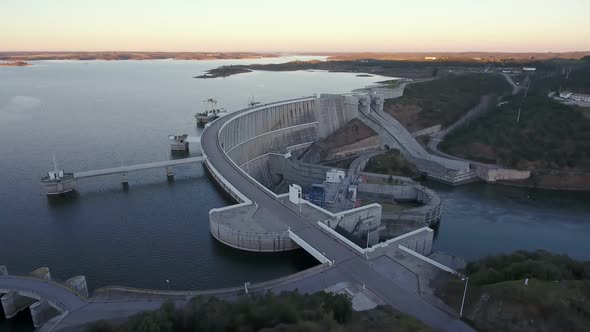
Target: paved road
{"points": [[515, 88], [472, 113], [354, 168]]}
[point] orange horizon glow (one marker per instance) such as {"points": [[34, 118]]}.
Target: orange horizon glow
{"points": [[304, 26]]}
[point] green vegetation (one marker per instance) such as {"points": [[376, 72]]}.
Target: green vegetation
{"points": [[556, 298], [289, 311], [521, 264], [549, 135], [443, 100], [391, 163]]}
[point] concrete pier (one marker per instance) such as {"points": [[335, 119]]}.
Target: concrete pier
{"points": [[78, 284], [42, 273], [133, 168], [169, 172], [41, 312]]}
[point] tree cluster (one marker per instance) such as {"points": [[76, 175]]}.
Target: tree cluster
{"points": [[519, 265], [288, 311]]}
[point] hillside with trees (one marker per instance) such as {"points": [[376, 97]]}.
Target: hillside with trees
{"points": [[288, 311], [524, 291], [444, 100], [548, 137]]}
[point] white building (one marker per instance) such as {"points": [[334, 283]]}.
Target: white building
{"points": [[334, 176]]}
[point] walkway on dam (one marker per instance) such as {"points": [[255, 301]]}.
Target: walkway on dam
{"points": [[139, 167]]}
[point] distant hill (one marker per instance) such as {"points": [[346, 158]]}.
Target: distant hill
{"points": [[31, 56], [460, 56]]}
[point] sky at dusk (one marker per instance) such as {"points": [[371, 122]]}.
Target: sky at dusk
{"points": [[295, 26]]}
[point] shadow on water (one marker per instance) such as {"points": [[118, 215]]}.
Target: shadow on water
{"points": [[299, 259], [22, 322], [435, 228], [62, 200], [174, 155]]}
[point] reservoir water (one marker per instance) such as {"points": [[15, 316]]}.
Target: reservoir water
{"points": [[99, 114]]}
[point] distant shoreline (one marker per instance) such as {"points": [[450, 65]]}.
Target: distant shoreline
{"points": [[340, 56], [85, 56], [14, 64]]}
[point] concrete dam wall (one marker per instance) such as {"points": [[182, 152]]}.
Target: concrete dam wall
{"points": [[278, 129], [259, 138]]}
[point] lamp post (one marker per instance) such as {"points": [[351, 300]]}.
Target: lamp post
{"points": [[368, 231], [168, 283], [466, 279]]}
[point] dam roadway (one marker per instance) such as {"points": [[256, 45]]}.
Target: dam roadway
{"points": [[347, 265]]}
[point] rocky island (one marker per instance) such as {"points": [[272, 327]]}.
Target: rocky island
{"points": [[224, 71]]}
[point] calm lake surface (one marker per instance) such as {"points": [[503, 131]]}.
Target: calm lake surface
{"points": [[98, 114]]}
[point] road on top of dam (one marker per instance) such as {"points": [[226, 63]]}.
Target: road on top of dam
{"points": [[347, 261]]}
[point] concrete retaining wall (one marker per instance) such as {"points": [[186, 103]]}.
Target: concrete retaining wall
{"points": [[419, 240], [251, 241], [494, 174], [370, 143], [427, 131], [358, 221], [293, 171], [428, 214], [422, 243]]}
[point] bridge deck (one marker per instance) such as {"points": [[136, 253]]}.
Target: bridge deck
{"points": [[139, 167]]}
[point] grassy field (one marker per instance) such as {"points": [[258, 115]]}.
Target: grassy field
{"points": [[444, 100], [556, 298]]}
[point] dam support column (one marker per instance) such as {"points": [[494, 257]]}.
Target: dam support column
{"points": [[13, 303], [377, 103], [78, 284], [364, 104], [41, 312], [3, 272], [170, 172]]}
